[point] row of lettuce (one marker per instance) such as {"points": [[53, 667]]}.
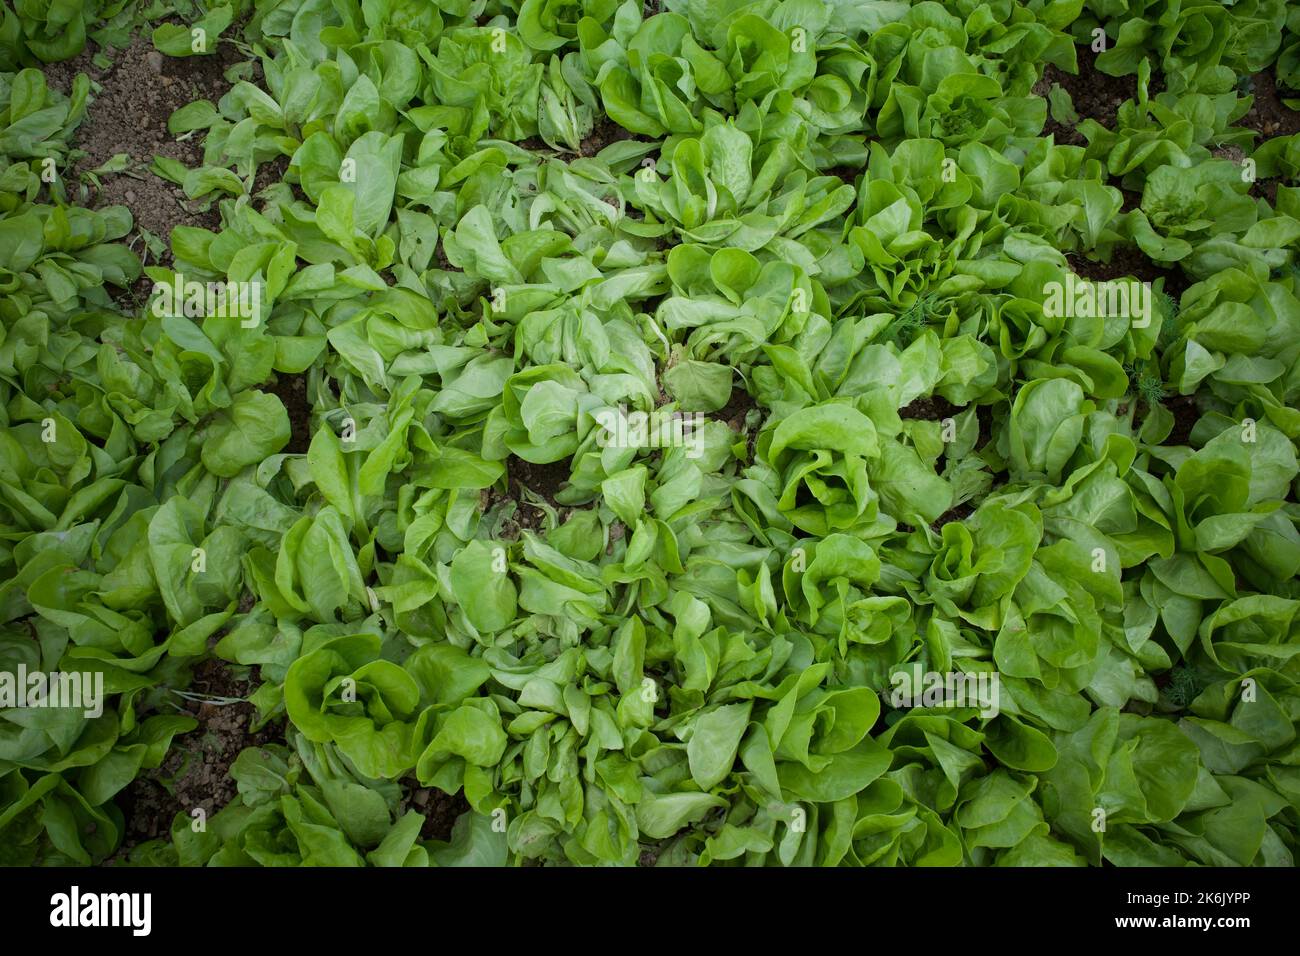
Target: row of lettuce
{"points": [[838, 208]]}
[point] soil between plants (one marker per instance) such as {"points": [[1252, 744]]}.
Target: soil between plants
{"points": [[603, 133], [932, 408], [544, 481], [196, 770], [1186, 415], [1095, 95], [956, 513], [130, 104], [1128, 261], [1268, 116], [292, 392], [737, 409], [441, 810]]}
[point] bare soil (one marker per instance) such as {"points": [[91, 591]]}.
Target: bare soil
{"points": [[545, 481], [196, 771], [1267, 115], [1096, 95], [930, 408], [292, 392], [1130, 261], [440, 809], [542, 480], [604, 132], [846, 174], [736, 410], [131, 102], [1186, 415], [956, 513], [270, 173], [984, 415]]}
